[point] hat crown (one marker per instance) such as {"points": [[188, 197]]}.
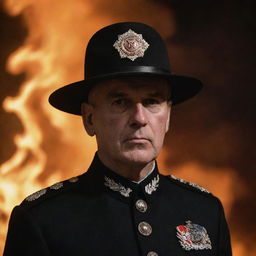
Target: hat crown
{"points": [[125, 47]]}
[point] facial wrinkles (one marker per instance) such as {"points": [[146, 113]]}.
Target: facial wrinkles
{"points": [[105, 95], [108, 91]]}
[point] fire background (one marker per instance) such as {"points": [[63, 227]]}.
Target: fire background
{"points": [[212, 137]]}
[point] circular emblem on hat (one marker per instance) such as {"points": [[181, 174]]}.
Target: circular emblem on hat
{"points": [[131, 45]]}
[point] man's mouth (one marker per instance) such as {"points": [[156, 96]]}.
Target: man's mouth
{"points": [[137, 140]]}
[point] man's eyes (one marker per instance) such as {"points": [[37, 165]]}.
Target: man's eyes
{"points": [[145, 102], [150, 102], [120, 102], [121, 105]]}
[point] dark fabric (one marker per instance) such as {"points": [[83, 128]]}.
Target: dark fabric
{"points": [[88, 218]]}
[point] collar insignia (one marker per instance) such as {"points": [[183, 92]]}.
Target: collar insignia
{"points": [[193, 236], [153, 185], [117, 187], [131, 45]]}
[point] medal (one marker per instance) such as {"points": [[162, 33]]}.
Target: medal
{"points": [[193, 236]]}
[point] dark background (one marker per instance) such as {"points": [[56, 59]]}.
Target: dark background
{"points": [[223, 120], [215, 41]]}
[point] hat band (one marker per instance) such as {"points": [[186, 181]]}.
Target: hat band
{"points": [[129, 70]]}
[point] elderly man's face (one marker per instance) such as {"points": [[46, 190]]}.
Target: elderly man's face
{"points": [[129, 117]]}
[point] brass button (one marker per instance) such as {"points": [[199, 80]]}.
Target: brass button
{"points": [[141, 206], [152, 254], [144, 228]]}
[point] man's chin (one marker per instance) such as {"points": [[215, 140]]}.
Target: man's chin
{"points": [[139, 156]]}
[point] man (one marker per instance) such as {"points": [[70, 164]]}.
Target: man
{"points": [[122, 205]]}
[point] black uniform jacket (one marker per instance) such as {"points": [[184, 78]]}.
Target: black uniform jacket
{"points": [[101, 213]]}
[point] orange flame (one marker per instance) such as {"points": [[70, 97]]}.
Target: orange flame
{"points": [[49, 149], [53, 56]]}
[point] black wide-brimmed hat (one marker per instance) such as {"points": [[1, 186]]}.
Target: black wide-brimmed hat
{"points": [[127, 49]]}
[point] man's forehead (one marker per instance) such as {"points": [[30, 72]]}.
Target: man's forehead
{"points": [[115, 87]]}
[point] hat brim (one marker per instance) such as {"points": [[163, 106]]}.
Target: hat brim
{"points": [[70, 97]]}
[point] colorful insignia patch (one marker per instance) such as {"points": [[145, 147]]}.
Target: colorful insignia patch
{"points": [[131, 45], [193, 236]]}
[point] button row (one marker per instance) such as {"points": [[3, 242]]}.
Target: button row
{"points": [[144, 228]]}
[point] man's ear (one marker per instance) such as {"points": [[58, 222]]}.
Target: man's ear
{"points": [[169, 116], [87, 113]]}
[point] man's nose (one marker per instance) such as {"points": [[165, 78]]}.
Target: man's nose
{"points": [[138, 116]]}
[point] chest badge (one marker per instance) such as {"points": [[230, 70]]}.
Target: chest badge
{"points": [[193, 236], [131, 45]]}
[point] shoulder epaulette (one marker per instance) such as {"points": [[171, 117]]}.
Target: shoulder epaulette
{"points": [[187, 183], [55, 187]]}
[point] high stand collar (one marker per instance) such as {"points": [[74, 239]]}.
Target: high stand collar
{"points": [[121, 187]]}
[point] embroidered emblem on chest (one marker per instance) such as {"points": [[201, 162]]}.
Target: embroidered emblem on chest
{"points": [[190, 183], [152, 186], [117, 187], [131, 45], [193, 236]]}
